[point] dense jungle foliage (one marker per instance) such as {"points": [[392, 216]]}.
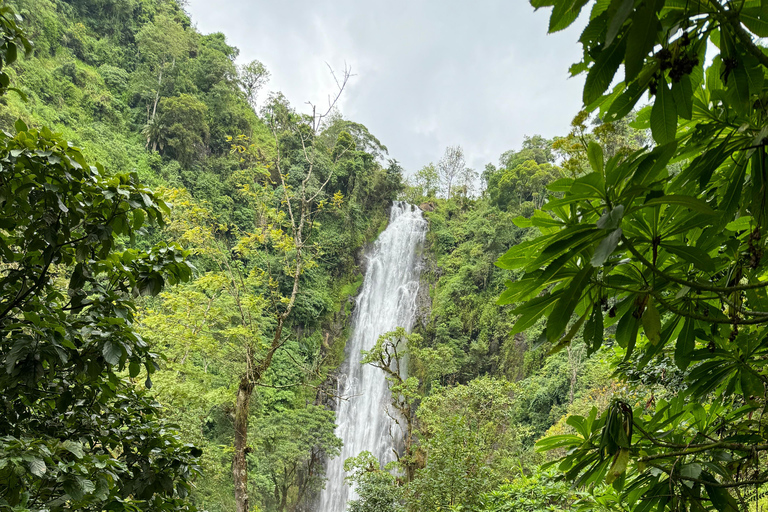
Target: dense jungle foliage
{"points": [[591, 331]]}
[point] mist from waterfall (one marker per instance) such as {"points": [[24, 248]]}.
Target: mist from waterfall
{"points": [[388, 300]]}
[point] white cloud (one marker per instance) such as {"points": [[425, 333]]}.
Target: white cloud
{"points": [[429, 73]]}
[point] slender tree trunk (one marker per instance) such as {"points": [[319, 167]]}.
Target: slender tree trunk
{"points": [[157, 94], [239, 463]]}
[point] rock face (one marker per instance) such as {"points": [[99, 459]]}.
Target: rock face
{"points": [[426, 284], [427, 207]]}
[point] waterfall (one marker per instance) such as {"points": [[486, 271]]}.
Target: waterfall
{"points": [[388, 300]]}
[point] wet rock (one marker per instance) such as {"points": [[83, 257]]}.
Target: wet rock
{"points": [[427, 207]]}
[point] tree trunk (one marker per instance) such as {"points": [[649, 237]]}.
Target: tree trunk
{"points": [[239, 463], [157, 94]]}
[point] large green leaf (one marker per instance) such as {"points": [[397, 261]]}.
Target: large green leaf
{"points": [[532, 310], [112, 352], [686, 343], [692, 203], [732, 198], [698, 258], [564, 13], [593, 330], [626, 331], [595, 154], [682, 93], [641, 38], [664, 115], [755, 20], [605, 248], [603, 70], [624, 9], [651, 321], [563, 310]]}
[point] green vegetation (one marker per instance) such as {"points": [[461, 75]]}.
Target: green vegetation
{"points": [[270, 233], [592, 335]]}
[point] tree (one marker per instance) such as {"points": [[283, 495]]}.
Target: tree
{"points": [[470, 443], [427, 180], [450, 166], [526, 182], [293, 446], [298, 162], [252, 77], [388, 354], [536, 493], [377, 489], [74, 432], [535, 148], [180, 129], [678, 256], [467, 182], [161, 44]]}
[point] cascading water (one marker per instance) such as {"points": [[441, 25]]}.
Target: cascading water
{"points": [[388, 300]]}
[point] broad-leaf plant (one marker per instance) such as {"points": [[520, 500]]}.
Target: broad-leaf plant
{"points": [[663, 251], [76, 433]]}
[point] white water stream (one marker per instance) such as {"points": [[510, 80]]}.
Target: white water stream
{"points": [[388, 300]]}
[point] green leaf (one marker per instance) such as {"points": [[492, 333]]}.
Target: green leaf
{"points": [[626, 330], [605, 248], [754, 19], [10, 54], [563, 310], [692, 470], [564, 14], [595, 153], [561, 185], [134, 368], [522, 222], [37, 467], [652, 323], [686, 343], [593, 330], [626, 101], [751, 385], [689, 202], [700, 259], [611, 220], [618, 19], [721, 498], [73, 488], [138, 219], [77, 280], [664, 115], [704, 165], [740, 224], [652, 164], [641, 38], [731, 199], [602, 71], [591, 184], [112, 352], [618, 466], [74, 448], [531, 311], [682, 93]]}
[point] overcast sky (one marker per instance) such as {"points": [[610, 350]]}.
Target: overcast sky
{"points": [[429, 73]]}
